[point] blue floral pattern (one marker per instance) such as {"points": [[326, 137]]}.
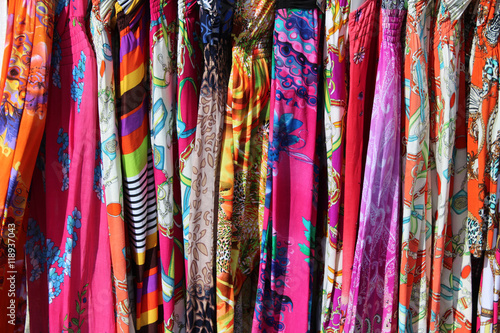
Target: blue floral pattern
{"points": [[43, 253], [77, 84], [63, 140], [98, 174]]}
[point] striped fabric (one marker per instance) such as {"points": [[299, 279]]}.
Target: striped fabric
{"points": [[137, 161]]}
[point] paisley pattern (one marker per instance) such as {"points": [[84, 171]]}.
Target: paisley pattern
{"points": [[216, 28], [287, 261], [372, 302]]}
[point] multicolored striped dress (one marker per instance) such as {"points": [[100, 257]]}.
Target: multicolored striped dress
{"points": [[140, 210], [111, 160]]}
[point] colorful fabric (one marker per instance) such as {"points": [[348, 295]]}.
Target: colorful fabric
{"points": [[67, 248], [483, 147], [449, 306], [216, 23], [189, 66], [24, 84], [244, 155], [372, 300], [140, 210], [363, 55], [335, 81], [162, 37], [287, 260], [111, 160], [417, 219]]}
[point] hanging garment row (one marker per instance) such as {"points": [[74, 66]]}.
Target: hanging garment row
{"points": [[249, 166]]}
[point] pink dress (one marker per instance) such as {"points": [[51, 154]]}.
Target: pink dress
{"points": [[67, 247]]}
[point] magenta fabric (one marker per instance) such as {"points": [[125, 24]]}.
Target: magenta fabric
{"points": [[67, 249], [374, 282], [287, 270]]}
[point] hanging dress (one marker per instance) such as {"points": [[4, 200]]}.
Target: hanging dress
{"points": [[162, 37], [111, 159], [287, 260], [24, 78], [335, 81], [450, 303], [416, 242], [68, 246], [372, 300], [363, 55], [483, 151], [189, 71], [137, 161], [216, 23], [244, 155]]}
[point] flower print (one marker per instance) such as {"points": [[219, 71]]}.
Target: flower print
{"points": [[78, 216], [55, 282], [62, 138], [359, 56], [51, 252], [285, 141], [65, 184], [56, 79], [358, 15]]}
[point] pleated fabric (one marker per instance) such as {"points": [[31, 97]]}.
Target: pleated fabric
{"points": [[68, 244], [244, 155], [216, 23], [111, 161], [189, 71], [287, 260], [363, 55], [449, 282], [482, 160], [374, 284], [23, 109], [335, 85], [140, 211], [415, 242], [163, 80]]}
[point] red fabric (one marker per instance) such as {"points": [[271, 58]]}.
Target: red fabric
{"points": [[363, 55]]}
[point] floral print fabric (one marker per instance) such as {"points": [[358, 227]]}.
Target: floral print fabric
{"points": [[172, 167], [24, 78], [287, 259], [372, 301], [67, 249]]}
